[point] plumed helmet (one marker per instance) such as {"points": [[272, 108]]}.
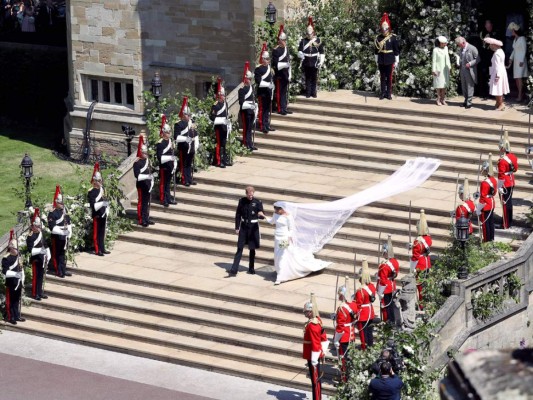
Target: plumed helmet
{"points": [[58, 197], [185, 110], [311, 306], [12, 244], [36, 218], [310, 26], [247, 74], [504, 142], [97, 176], [141, 147], [487, 166], [365, 278], [281, 34], [220, 88], [163, 123], [342, 290], [466, 190], [385, 22], [264, 50], [422, 225]]}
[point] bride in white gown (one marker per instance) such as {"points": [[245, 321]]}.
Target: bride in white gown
{"points": [[289, 261]]}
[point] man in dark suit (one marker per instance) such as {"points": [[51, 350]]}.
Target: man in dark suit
{"points": [[47, 17], [467, 60], [387, 386]]}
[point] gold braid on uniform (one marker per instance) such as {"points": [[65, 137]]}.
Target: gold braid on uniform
{"points": [[381, 44]]}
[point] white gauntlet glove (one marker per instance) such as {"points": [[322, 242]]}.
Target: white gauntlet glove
{"points": [[301, 55]]}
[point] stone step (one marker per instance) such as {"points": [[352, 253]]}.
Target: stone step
{"points": [[449, 122], [454, 160], [393, 135], [407, 108], [143, 348], [371, 160], [146, 315], [183, 297]]}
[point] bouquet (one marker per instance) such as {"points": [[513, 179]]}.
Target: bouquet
{"points": [[283, 244]]}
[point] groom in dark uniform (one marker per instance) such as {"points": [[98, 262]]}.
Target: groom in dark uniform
{"points": [[387, 54], [249, 212]]}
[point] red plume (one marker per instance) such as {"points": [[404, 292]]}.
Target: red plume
{"points": [[58, 191], [246, 69], [184, 103], [385, 18], [219, 86], [262, 50], [140, 145], [35, 215], [95, 170], [280, 30], [310, 23], [163, 122], [11, 235]]}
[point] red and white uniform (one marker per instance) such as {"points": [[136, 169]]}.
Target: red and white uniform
{"points": [[366, 314], [421, 248], [346, 315], [466, 210], [507, 166], [387, 272], [314, 336], [487, 190]]}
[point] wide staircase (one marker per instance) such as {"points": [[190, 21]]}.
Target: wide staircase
{"points": [[329, 148]]}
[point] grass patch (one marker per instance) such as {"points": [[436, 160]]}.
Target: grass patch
{"points": [[48, 170]]}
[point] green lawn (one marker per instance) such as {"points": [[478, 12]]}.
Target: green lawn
{"points": [[47, 168]]}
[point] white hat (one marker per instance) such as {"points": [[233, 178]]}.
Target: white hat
{"points": [[442, 39], [513, 26], [493, 41]]}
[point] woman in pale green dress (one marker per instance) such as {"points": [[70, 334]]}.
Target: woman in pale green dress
{"points": [[440, 68]]}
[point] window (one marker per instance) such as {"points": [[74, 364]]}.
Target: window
{"points": [[109, 91]]}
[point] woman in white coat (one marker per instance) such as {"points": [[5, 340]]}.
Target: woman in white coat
{"points": [[498, 84], [440, 67], [518, 59]]}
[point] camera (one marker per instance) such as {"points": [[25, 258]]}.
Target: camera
{"points": [[391, 355], [128, 131]]}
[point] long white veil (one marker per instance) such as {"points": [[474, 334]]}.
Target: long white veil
{"points": [[315, 224]]}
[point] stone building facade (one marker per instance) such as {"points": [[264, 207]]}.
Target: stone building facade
{"points": [[116, 46]]}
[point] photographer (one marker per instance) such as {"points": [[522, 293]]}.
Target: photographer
{"points": [[388, 355], [386, 386]]}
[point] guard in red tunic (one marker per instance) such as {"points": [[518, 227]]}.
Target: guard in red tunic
{"points": [[60, 233], [364, 297], [14, 281], [186, 136], [100, 211], [167, 163], [345, 317], [387, 272], [507, 166], [144, 183], [467, 207], [39, 256], [314, 344], [387, 53], [248, 108], [486, 203], [264, 79], [421, 248], [281, 62], [222, 124]]}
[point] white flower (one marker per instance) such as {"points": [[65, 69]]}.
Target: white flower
{"points": [[423, 12], [409, 349], [348, 45], [332, 77]]}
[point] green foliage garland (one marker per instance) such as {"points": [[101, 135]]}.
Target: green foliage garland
{"points": [[413, 347]]}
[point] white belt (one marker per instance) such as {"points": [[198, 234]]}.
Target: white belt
{"points": [[220, 121], [489, 196], [252, 221], [347, 325], [365, 305], [311, 55], [508, 173]]}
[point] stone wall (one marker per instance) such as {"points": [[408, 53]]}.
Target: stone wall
{"points": [[187, 41]]}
